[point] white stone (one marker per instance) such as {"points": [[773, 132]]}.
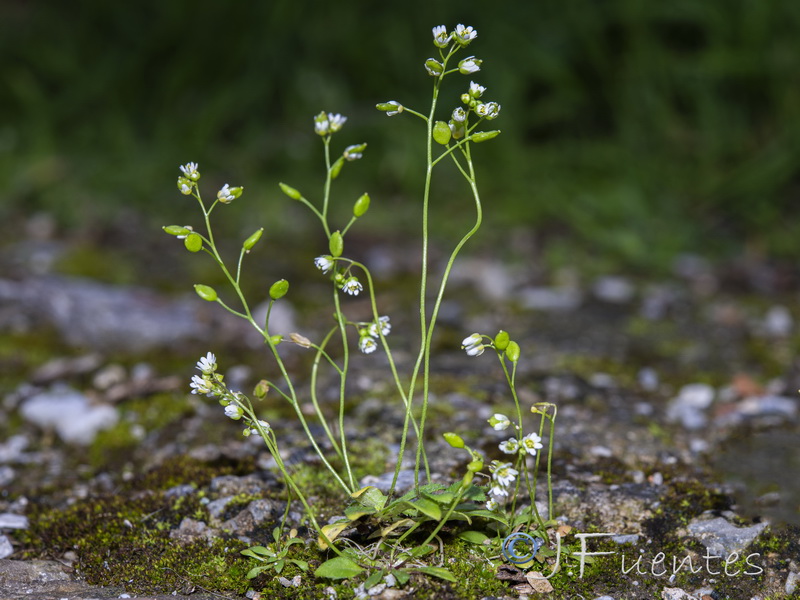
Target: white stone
{"points": [[70, 413]]}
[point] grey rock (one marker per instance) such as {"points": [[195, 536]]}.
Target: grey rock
{"points": [[231, 485], [6, 549], [688, 407], [6, 476], [191, 530], [11, 450], [604, 598], [217, 507], [613, 289], [676, 594], [722, 538], [70, 413], [778, 322], [550, 299], [626, 539], [12, 521], [792, 582], [405, 481]]}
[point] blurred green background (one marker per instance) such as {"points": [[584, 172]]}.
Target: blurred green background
{"points": [[632, 129]]}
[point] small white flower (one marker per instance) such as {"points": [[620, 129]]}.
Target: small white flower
{"points": [[225, 195], [464, 35], [383, 326], [186, 189], [183, 237], [234, 411], [510, 446], [499, 422], [531, 443], [459, 115], [254, 430], [472, 340], [434, 67], [498, 491], [475, 350], [352, 286], [354, 152], [190, 171], [324, 263], [492, 110], [398, 108], [367, 345], [207, 364], [503, 473], [440, 36], [469, 65], [336, 122], [475, 90], [200, 385], [321, 124], [492, 504]]}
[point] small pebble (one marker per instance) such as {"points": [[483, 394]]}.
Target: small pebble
{"points": [[12, 521]]}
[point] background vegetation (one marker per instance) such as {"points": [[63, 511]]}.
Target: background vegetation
{"points": [[632, 129]]}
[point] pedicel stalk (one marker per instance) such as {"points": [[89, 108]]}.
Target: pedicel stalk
{"points": [[450, 140]]}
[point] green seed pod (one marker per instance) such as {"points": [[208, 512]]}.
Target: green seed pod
{"points": [[193, 242], [336, 244], [176, 230], [361, 206], [453, 439], [278, 289], [276, 339], [337, 167], [482, 136], [501, 340], [512, 351], [441, 133], [205, 292], [290, 191], [467, 479], [252, 240]]}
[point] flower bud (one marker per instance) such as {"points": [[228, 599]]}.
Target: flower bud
{"points": [[355, 152], [501, 340], [434, 67], [300, 340], [441, 133], [205, 292], [252, 240], [261, 389], [278, 289], [469, 65], [512, 351], [193, 242], [457, 129], [290, 191], [391, 108], [336, 244], [176, 230], [482, 136], [453, 439], [361, 206], [185, 186]]}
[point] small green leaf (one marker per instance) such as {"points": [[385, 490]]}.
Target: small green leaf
{"points": [[486, 514], [300, 563], [373, 579], [255, 572], [439, 572], [473, 537], [279, 566], [254, 551], [421, 551], [331, 532], [444, 498], [370, 496], [339, 567], [356, 512], [402, 576], [427, 507]]}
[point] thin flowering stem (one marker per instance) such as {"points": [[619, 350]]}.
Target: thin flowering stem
{"points": [[314, 401], [327, 189], [342, 388]]}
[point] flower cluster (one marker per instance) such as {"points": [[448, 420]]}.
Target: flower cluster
{"points": [[503, 475], [328, 123], [372, 332], [210, 383], [188, 181], [473, 344]]}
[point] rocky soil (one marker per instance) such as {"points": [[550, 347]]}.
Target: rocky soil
{"points": [[678, 429]]}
